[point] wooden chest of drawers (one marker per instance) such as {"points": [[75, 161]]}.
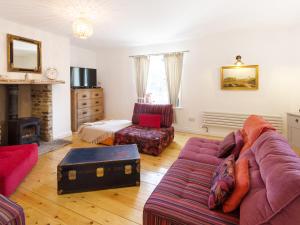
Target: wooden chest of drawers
{"points": [[86, 106]]}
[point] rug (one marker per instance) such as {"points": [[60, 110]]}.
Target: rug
{"points": [[46, 147]]}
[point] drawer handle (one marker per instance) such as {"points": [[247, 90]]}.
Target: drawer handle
{"points": [[83, 103], [297, 120], [84, 96], [84, 113], [97, 102], [97, 95], [97, 110]]}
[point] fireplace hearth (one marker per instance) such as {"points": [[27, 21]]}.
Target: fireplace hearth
{"points": [[24, 131]]}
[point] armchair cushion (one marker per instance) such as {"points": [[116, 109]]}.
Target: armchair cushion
{"points": [[166, 112], [150, 120]]}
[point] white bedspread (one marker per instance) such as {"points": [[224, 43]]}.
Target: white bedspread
{"points": [[99, 131]]}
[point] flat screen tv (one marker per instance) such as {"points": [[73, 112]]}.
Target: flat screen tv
{"points": [[83, 77]]}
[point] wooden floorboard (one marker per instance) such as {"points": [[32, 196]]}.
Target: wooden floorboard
{"points": [[123, 206]]}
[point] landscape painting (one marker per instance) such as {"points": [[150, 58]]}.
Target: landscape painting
{"points": [[239, 77]]}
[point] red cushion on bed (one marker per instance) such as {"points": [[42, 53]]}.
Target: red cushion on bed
{"points": [[150, 120]]}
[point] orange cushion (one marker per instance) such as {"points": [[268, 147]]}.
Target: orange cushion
{"points": [[108, 141], [254, 126], [242, 185]]}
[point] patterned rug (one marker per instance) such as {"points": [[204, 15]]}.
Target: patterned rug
{"points": [[46, 147]]}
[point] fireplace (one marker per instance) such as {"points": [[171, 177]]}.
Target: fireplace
{"points": [[24, 131], [31, 128]]}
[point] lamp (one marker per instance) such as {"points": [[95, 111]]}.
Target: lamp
{"points": [[238, 60], [82, 28]]}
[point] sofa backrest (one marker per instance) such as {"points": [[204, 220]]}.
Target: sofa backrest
{"points": [[166, 112], [274, 196]]}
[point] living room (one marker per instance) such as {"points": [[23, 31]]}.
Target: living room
{"points": [[150, 83]]}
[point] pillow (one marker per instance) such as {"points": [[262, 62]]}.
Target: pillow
{"points": [[150, 120], [239, 143], [226, 146], [222, 183], [242, 185], [253, 127]]}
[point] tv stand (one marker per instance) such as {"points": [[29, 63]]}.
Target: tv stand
{"points": [[86, 106]]}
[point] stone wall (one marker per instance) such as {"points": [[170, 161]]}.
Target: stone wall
{"points": [[41, 100]]}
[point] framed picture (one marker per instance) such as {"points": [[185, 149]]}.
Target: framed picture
{"points": [[239, 77]]}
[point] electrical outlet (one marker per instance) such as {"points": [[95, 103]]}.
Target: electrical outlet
{"points": [[192, 119]]}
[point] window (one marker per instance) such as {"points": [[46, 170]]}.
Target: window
{"points": [[157, 86]]}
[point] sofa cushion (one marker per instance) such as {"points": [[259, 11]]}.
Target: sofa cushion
{"points": [[182, 195], [10, 212], [222, 184], [242, 185], [15, 163], [275, 182], [226, 145], [149, 120], [239, 143], [166, 112], [149, 140], [253, 127], [201, 150]]}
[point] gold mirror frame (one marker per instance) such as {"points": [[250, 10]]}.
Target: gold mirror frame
{"points": [[245, 86], [10, 56]]}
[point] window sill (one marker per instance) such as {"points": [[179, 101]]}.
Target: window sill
{"points": [[178, 107]]}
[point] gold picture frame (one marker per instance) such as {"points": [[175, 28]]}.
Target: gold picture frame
{"points": [[244, 77], [11, 50]]}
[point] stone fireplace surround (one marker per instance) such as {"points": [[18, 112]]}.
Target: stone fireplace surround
{"points": [[40, 103]]}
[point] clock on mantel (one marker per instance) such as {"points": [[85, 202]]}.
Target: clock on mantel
{"points": [[51, 73]]}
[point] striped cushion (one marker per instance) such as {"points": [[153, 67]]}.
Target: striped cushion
{"points": [[10, 213], [166, 112], [182, 196]]}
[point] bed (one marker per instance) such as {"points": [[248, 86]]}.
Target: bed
{"points": [[102, 132]]}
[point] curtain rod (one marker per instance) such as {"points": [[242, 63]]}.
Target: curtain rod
{"points": [[163, 53]]}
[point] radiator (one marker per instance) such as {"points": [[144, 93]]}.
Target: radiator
{"points": [[235, 120]]}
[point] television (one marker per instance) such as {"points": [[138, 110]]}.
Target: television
{"points": [[83, 77]]}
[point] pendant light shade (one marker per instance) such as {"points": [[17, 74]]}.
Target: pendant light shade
{"points": [[82, 28]]}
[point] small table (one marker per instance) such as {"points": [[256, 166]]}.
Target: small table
{"points": [[88, 169]]}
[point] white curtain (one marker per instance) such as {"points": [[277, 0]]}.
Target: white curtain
{"points": [[141, 71], [173, 64]]}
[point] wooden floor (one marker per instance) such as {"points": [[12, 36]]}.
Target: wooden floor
{"points": [[123, 206]]}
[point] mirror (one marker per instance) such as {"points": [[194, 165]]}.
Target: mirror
{"points": [[23, 54]]}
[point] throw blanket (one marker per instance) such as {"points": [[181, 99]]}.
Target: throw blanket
{"points": [[99, 131]]}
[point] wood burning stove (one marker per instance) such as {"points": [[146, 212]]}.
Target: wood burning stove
{"points": [[24, 130]]}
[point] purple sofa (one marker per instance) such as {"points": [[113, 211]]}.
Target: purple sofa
{"points": [[149, 140], [10, 212], [274, 196]]}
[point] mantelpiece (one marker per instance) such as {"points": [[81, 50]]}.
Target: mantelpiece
{"points": [[22, 81]]}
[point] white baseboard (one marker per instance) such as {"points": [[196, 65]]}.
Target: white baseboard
{"points": [[199, 132], [62, 135], [189, 130]]}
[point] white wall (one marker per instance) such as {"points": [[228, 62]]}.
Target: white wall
{"points": [[55, 53], [277, 52], [81, 57]]}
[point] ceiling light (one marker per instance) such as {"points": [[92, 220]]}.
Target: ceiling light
{"points": [[238, 60], [82, 28]]}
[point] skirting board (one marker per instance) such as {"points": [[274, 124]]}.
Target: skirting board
{"points": [[199, 132], [62, 135]]}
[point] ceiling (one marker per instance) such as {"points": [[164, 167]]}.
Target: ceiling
{"points": [[144, 22]]}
